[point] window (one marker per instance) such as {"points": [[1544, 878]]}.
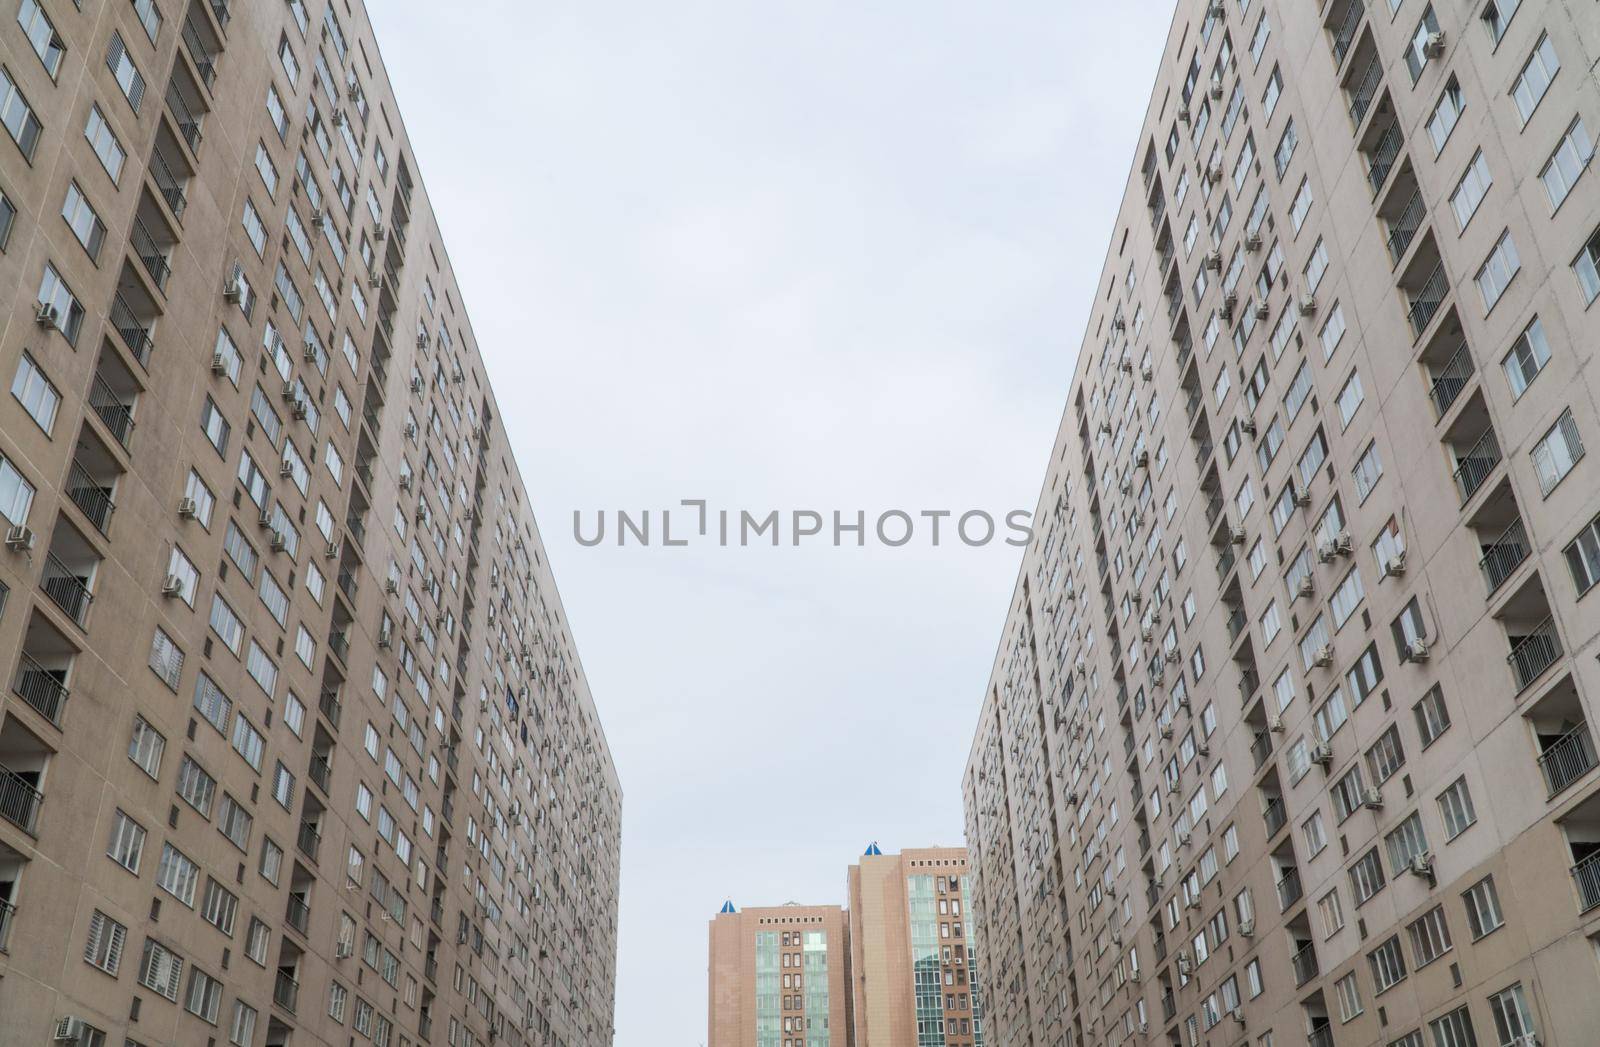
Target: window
{"points": [[257, 940], [1496, 16], [1285, 151], [1368, 471], [17, 116], [205, 996], [1386, 756], [271, 860], [160, 969], [1471, 190], [283, 786], [1455, 806], [47, 44], [1299, 392], [1585, 266], [1416, 54], [212, 703], [1557, 452], [81, 218], [54, 293], [149, 16], [35, 392], [1534, 80], [1366, 877], [1569, 161], [247, 742], [337, 996], [1497, 270], [1409, 629], [234, 822], [1513, 1021], [1301, 207], [1405, 842], [1346, 793], [242, 1030], [177, 875], [254, 228], [226, 624], [104, 143], [1349, 997], [146, 746], [1527, 357], [124, 71], [1350, 398], [1446, 114], [1364, 676], [127, 842], [1271, 624], [1388, 965], [196, 786], [1433, 717], [1430, 936], [1271, 93], [1332, 332], [1315, 832], [1347, 597], [1330, 715], [1483, 908], [219, 906], [182, 573], [215, 426], [106, 940]]}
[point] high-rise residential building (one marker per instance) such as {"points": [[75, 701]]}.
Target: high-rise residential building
{"points": [[914, 980], [779, 977], [295, 745], [1287, 739]]}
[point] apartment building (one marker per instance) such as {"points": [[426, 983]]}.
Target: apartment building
{"points": [[914, 979], [1286, 739], [295, 745], [779, 977]]}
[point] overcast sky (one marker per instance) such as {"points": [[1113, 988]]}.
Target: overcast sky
{"points": [[830, 256]]}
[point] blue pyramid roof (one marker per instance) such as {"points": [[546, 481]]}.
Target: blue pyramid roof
{"points": [[872, 848], [727, 907]]}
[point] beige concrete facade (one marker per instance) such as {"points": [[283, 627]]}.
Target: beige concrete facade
{"points": [[296, 745], [779, 977], [914, 980], [1287, 738]]}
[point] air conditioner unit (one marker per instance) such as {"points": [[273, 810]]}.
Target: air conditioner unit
{"points": [[1342, 543], [391, 586], [287, 391], [1216, 10], [187, 508], [233, 289], [385, 639], [339, 118], [46, 315], [1372, 798], [1323, 657], [1325, 551], [1252, 242], [1302, 497], [1237, 1015], [1263, 310], [1183, 840], [1126, 366], [1183, 113], [422, 514], [1322, 754], [1308, 304], [171, 585], [286, 468], [1275, 724], [264, 518], [1083, 667], [20, 538], [318, 219], [422, 339], [1147, 633], [280, 541], [69, 1029], [1247, 928], [1105, 428], [416, 385], [1146, 373], [1433, 47], [1144, 1025], [1236, 535], [458, 376], [1118, 324], [1204, 749], [1216, 87], [1417, 650], [405, 481], [300, 409], [1229, 302], [1247, 426], [380, 233], [410, 430], [1422, 865], [332, 551], [1172, 656], [1213, 260], [1142, 460], [1166, 731], [219, 363]]}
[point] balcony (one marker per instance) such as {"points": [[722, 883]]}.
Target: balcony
{"points": [[1342, 32], [92, 493], [1533, 652], [1503, 555], [1304, 963], [1289, 888], [298, 913], [320, 772], [7, 911], [1425, 299], [185, 108], [68, 586], [172, 188], [203, 49], [1451, 379], [45, 689], [1363, 89], [20, 801], [1382, 156], [285, 990], [1261, 748], [1565, 758], [1403, 230], [135, 326], [1474, 465], [1321, 1036], [1274, 815], [309, 841], [113, 394]]}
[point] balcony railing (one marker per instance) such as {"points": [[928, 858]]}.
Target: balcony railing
{"points": [[298, 913], [91, 496], [117, 416], [7, 910], [205, 59], [1321, 1036], [168, 183], [339, 644], [1169, 1007], [220, 10], [1403, 228], [134, 332], [1567, 759], [1225, 565], [1304, 963], [1213, 510], [1274, 815], [42, 689], [1382, 158], [1236, 623], [66, 589], [19, 801], [1261, 748], [286, 991], [1289, 889], [1345, 34], [1427, 300], [1451, 379], [1534, 653], [1474, 467], [330, 706], [309, 840], [183, 116], [150, 253], [1364, 90], [1587, 875], [1504, 555], [321, 773]]}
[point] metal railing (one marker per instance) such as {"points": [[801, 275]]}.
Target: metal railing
{"points": [[1274, 815], [1504, 555], [1345, 34], [1236, 623], [329, 704], [1289, 889], [150, 253], [1213, 510], [1587, 875], [219, 10], [1304, 963], [1427, 299], [339, 644], [7, 910], [205, 59], [1534, 653], [65, 589], [298, 913], [19, 801], [286, 991], [1364, 90], [1226, 562], [1403, 228], [183, 116], [1567, 759], [134, 332], [1451, 379], [321, 774], [1474, 466], [41, 688], [117, 416], [1381, 161], [172, 190], [309, 842], [1261, 748], [90, 495], [1321, 1036], [1191, 403]]}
